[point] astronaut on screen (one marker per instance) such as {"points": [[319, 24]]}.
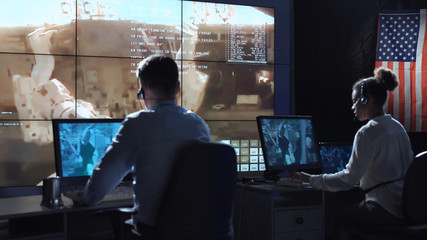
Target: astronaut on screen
{"points": [[288, 140], [39, 97]]}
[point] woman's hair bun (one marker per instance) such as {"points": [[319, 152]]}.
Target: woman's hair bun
{"points": [[386, 78]]}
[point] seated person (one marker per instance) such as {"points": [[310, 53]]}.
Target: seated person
{"points": [[379, 161], [147, 141]]}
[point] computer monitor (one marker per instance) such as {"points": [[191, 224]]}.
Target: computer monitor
{"points": [[335, 155], [80, 145], [288, 143]]}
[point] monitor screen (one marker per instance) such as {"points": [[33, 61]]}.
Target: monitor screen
{"points": [[288, 143], [334, 155], [80, 144]]}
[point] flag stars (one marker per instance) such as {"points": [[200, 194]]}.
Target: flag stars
{"points": [[398, 37]]}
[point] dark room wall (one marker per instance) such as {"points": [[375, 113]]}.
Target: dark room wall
{"points": [[334, 46]]}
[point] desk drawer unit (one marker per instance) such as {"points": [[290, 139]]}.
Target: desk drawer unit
{"points": [[303, 223], [306, 235]]}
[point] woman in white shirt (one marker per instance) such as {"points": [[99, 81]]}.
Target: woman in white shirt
{"points": [[381, 155]]}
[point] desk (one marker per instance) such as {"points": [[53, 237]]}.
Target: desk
{"points": [[25, 218], [270, 212]]}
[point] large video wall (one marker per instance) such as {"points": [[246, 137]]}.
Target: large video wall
{"points": [[77, 59]]}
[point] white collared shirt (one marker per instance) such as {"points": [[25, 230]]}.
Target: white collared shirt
{"points": [[381, 152]]}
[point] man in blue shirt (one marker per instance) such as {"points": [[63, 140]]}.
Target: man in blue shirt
{"points": [[147, 141]]}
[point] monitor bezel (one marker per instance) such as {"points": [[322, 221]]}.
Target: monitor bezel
{"points": [[274, 170], [68, 183]]}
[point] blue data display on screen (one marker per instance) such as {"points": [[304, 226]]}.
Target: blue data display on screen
{"points": [[83, 145], [335, 158]]}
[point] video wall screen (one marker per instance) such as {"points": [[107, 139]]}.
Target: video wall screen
{"points": [[25, 157], [243, 136], [77, 59]]}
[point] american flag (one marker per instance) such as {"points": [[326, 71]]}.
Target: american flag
{"points": [[402, 48]]}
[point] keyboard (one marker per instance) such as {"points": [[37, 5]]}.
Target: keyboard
{"points": [[74, 195], [120, 193], [287, 182]]}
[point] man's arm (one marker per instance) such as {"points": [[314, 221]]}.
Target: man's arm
{"points": [[114, 165]]}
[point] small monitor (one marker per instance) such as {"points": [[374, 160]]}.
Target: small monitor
{"points": [[80, 145], [335, 155], [288, 143]]}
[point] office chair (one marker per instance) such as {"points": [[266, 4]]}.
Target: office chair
{"points": [[414, 206], [198, 201]]}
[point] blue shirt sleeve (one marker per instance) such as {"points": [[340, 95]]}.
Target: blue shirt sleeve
{"points": [[114, 165]]}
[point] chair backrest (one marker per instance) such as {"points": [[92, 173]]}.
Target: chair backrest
{"points": [[198, 202], [414, 201]]}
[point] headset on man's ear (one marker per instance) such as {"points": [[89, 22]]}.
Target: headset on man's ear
{"points": [[140, 93], [363, 98]]}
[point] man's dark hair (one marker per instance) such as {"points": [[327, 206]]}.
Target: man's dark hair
{"points": [[160, 75]]}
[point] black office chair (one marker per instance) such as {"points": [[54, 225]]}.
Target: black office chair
{"points": [[198, 201], [414, 207]]}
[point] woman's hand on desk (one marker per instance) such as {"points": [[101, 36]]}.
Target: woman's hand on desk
{"points": [[305, 177]]}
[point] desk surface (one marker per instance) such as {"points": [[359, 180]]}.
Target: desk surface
{"points": [[30, 206]]}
